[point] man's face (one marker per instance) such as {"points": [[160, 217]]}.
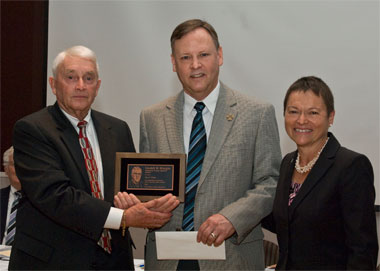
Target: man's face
{"points": [[136, 174], [11, 173], [196, 61], [76, 85]]}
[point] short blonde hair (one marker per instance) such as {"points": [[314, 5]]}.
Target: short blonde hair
{"points": [[189, 26]]}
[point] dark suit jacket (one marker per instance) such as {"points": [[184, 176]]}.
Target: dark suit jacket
{"points": [[331, 223], [4, 198], [58, 221]]}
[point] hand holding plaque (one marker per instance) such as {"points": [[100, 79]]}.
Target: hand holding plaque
{"points": [[123, 200], [151, 214], [165, 204]]}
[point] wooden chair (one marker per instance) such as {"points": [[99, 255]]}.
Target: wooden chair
{"points": [[271, 253]]}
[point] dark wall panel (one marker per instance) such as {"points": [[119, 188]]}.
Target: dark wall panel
{"points": [[24, 34]]}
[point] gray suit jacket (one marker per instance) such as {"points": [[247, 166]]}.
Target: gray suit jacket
{"points": [[239, 173]]}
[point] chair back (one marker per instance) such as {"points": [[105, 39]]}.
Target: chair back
{"points": [[271, 253]]}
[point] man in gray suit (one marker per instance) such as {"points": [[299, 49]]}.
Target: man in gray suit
{"points": [[240, 167]]}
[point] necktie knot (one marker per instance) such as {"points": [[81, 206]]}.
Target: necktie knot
{"points": [[17, 194], [199, 106], [82, 124]]}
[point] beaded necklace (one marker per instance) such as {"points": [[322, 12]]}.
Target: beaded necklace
{"points": [[309, 165]]}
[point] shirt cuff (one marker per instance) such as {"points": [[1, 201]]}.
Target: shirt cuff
{"points": [[113, 220]]}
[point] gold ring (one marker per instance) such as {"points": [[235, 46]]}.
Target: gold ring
{"points": [[213, 235]]}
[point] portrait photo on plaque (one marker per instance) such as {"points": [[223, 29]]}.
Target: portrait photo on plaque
{"points": [[150, 175]]}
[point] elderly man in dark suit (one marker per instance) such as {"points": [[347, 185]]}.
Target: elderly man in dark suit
{"points": [[64, 157]]}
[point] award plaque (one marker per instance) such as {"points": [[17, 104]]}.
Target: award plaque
{"points": [[150, 175]]}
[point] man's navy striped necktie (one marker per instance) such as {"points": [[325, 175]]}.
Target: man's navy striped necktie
{"points": [[11, 228], [197, 150]]}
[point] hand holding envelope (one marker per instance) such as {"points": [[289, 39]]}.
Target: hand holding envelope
{"points": [[215, 230], [207, 243], [183, 245]]}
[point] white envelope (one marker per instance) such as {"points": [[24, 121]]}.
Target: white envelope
{"points": [[183, 245]]}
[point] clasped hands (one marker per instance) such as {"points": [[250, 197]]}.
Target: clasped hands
{"points": [[151, 214]]}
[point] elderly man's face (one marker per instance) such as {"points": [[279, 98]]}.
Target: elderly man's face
{"points": [[196, 61], [76, 85], [11, 173], [136, 174]]}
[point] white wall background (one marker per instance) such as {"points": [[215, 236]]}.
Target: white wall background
{"points": [[267, 46]]}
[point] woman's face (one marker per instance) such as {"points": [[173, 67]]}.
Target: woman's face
{"points": [[306, 119]]}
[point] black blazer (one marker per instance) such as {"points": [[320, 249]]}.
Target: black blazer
{"points": [[4, 198], [58, 221], [331, 224]]}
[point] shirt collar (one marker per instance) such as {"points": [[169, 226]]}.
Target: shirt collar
{"points": [[14, 190], [210, 101], [74, 121]]}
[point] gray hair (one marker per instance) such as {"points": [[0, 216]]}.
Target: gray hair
{"points": [[80, 51], [6, 155]]}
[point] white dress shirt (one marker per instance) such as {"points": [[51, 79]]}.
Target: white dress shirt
{"points": [[189, 113], [115, 215]]}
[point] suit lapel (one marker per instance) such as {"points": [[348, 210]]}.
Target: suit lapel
{"points": [[324, 162], [70, 139], [174, 124], [221, 126]]}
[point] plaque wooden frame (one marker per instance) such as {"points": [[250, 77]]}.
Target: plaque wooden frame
{"points": [[166, 174]]}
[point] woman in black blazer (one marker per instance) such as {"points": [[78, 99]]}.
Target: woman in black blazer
{"points": [[323, 212]]}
